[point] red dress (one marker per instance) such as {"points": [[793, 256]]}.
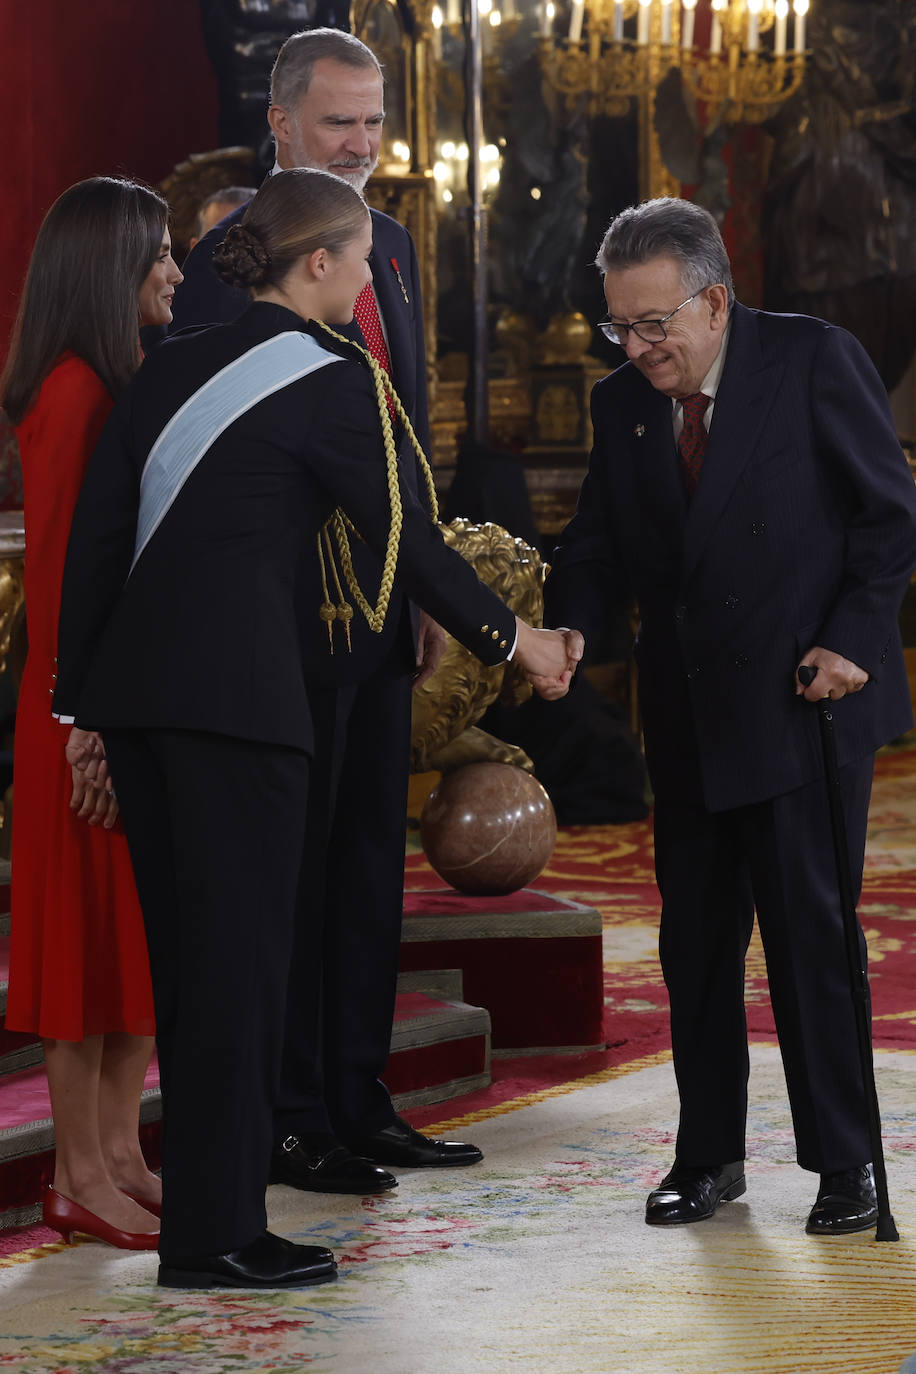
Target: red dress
{"points": [[78, 960]]}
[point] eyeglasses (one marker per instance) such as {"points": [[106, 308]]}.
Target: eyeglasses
{"points": [[650, 331]]}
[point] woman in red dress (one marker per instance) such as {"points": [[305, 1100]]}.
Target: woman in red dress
{"points": [[79, 972]]}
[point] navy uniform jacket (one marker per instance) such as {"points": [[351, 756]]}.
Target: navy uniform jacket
{"points": [[204, 634], [802, 532], [203, 299]]}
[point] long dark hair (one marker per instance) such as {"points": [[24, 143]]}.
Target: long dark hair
{"points": [[94, 250]]}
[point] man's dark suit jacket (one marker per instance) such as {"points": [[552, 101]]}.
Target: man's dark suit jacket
{"points": [[203, 635], [802, 532], [203, 299]]}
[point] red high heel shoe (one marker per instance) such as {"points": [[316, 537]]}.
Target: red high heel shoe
{"points": [[145, 1202], [67, 1216]]}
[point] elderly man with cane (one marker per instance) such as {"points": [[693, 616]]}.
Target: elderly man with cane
{"points": [[747, 490]]}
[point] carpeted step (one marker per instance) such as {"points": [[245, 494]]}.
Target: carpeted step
{"points": [[27, 1140], [533, 960], [439, 1049], [18, 1049]]}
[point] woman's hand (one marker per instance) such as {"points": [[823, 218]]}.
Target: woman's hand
{"points": [[549, 658], [92, 797]]}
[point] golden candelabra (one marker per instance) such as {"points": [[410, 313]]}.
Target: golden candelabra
{"points": [[612, 51]]}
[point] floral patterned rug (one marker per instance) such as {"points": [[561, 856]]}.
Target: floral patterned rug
{"points": [[539, 1259]]}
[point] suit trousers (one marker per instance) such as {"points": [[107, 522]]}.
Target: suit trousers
{"points": [[340, 1006], [215, 828], [713, 870]]}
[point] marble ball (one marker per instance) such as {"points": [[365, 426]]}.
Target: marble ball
{"points": [[488, 828]]}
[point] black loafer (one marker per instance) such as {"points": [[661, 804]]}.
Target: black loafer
{"points": [[692, 1192], [846, 1202], [405, 1148], [267, 1262], [320, 1164]]}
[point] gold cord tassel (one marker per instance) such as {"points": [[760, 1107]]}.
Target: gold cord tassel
{"points": [[340, 522]]}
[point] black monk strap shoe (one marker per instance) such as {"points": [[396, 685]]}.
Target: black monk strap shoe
{"points": [[267, 1262], [692, 1192], [400, 1145], [320, 1164], [846, 1202]]}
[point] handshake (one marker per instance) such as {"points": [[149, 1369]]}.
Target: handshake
{"points": [[549, 658]]}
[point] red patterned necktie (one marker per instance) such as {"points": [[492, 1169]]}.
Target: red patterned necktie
{"points": [[365, 312], [692, 444]]}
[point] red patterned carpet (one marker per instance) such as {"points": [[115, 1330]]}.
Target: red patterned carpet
{"points": [[611, 868]]}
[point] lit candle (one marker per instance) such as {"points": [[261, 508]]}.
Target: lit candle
{"points": [[779, 39], [618, 20], [575, 20], [687, 23], [753, 25], [801, 9], [436, 17], [453, 12], [666, 21], [642, 27], [547, 13], [715, 35]]}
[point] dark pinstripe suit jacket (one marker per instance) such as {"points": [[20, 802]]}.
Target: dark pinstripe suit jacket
{"points": [[802, 532]]}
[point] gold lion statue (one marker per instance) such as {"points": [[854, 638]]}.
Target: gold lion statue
{"points": [[447, 707]]}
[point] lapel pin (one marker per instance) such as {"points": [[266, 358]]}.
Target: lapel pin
{"points": [[397, 273], [639, 431]]}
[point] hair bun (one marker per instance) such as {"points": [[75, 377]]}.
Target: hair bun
{"points": [[241, 259]]}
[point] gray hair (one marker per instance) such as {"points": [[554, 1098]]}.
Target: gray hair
{"points": [[673, 228], [295, 64], [233, 196]]}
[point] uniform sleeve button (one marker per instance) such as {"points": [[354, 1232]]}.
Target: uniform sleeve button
{"points": [[741, 660], [732, 601], [495, 634], [758, 527], [484, 629], [502, 643]]}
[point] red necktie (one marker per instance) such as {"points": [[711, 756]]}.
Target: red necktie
{"points": [[365, 312], [692, 444]]}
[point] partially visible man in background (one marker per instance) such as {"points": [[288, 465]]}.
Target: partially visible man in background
{"points": [[216, 207]]}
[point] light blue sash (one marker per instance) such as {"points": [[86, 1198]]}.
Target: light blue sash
{"points": [[192, 430]]}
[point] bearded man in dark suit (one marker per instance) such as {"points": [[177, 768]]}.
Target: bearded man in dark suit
{"points": [[747, 491], [335, 1124]]}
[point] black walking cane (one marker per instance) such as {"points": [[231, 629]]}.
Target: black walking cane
{"points": [[858, 981]]}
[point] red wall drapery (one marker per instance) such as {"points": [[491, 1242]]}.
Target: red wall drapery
{"points": [[88, 87]]}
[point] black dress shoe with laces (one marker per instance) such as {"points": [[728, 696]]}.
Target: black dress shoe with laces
{"points": [[400, 1145], [846, 1202], [267, 1262], [692, 1192], [320, 1164]]}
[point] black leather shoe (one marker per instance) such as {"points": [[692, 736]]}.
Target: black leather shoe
{"points": [[846, 1202], [692, 1192], [320, 1164], [267, 1262], [405, 1148]]}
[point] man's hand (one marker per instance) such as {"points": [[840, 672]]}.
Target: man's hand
{"points": [[92, 797], [836, 676], [431, 643], [549, 658]]}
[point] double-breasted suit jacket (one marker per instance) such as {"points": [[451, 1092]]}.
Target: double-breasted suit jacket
{"points": [[802, 532], [203, 634], [203, 299]]}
